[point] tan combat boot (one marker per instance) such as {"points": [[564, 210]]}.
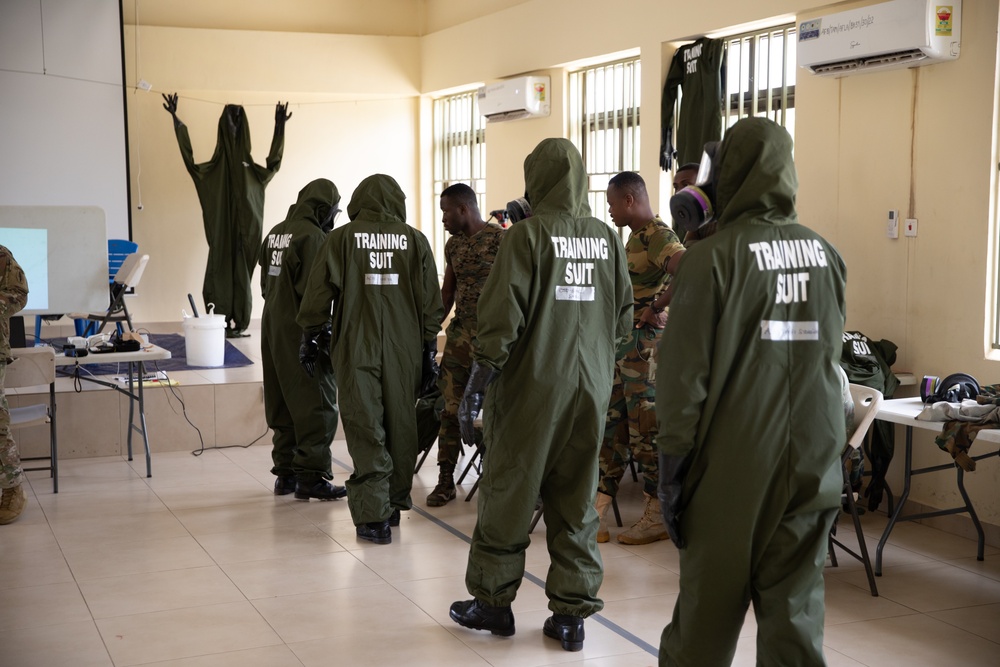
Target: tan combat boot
{"points": [[649, 528], [12, 503], [445, 489], [602, 504]]}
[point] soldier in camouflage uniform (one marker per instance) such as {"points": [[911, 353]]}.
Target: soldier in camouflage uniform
{"points": [[631, 420], [469, 255], [13, 297]]}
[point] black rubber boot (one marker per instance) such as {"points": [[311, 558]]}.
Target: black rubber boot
{"points": [[320, 490], [567, 629], [481, 616], [378, 532], [284, 484]]}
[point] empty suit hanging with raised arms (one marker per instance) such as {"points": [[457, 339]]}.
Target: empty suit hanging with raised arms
{"points": [[231, 191]]}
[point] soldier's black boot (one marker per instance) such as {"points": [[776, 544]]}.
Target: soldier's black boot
{"points": [[284, 484], [320, 490], [481, 616], [565, 628]]}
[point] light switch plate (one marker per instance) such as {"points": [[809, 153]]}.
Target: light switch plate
{"points": [[910, 229]]}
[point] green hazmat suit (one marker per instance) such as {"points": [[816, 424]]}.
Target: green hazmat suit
{"points": [[380, 277], [231, 191], [749, 390], [301, 411], [557, 302]]}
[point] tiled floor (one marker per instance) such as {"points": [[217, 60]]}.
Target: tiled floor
{"points": [[200, 565]]}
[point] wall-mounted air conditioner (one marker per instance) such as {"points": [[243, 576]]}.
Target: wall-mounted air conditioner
{"points": [[523, 97], [898, 33]]}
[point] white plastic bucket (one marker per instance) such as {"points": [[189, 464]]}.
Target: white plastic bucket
{"points": [[205, 340]]}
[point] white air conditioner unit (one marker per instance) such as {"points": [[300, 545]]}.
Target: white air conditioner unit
{"points": [[889, 35], [523, 97]]}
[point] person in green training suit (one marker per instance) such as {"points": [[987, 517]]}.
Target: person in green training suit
{"points": [[751, 415], [556, 304], [231, 191], [630, 429], [378, 274], [469, 256], [13, 299], [300, 405]]}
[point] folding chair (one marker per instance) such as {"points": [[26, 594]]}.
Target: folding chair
{"points": [[475, 461], [33, 367], [118, 250], [126, 278], [866, 405]]}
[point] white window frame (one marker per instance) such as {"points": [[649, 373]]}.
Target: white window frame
{"points": [[459, 153], [604, 124], [760, 76]]}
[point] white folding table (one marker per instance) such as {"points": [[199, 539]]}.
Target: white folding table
{"points": [[132, 388], [904, 411]]}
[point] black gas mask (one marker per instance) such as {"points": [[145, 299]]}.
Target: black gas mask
{"points": [[329, 216], [694, 206]]}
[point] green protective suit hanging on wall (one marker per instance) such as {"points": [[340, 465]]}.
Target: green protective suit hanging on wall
{"points": [[231, 191], [300, 410], [557, 302], [380, 276], [749, 390]]}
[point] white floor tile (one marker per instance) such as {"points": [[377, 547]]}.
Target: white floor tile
{"points": [[202, 566]]}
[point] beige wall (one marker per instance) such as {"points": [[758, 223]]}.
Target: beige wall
{"points": [[354, 103], [919, 141]]}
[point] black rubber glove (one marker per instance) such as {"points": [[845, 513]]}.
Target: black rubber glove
{"points": [[429, 370], [171, 106], [480, 377], [315, 341], [672, 472], [281, 114]]}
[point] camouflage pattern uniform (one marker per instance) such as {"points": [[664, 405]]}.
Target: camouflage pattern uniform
{"points": [[633, 395], [471, 258], [13, 297]]}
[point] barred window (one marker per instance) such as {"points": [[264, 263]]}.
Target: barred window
{"points": [[459, 153], [760, 76], [604, 124]]}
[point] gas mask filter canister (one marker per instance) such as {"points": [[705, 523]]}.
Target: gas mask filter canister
{"points": [[518, 209]]}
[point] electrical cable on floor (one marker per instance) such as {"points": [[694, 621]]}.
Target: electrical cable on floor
{"points": [[168, 386], [201, 450]]}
